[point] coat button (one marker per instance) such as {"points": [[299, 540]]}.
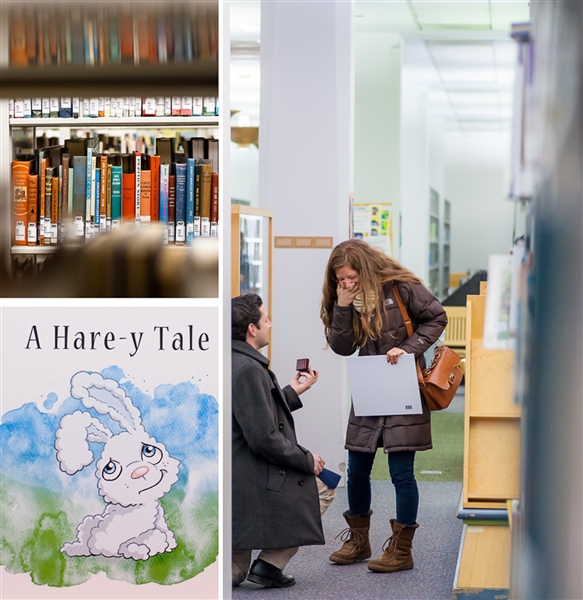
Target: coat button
{"points": [[301, 482], [281, 425], [281, 472]]}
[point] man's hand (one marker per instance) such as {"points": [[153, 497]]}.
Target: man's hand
{"points": [[318, 464], [347, 293], [304, 380], [393, 355]]}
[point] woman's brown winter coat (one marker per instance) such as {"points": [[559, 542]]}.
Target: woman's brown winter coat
{"points": [[398, 432]]}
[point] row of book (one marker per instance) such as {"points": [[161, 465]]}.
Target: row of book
{"points": [[124, 107], [101, 33], [70, 192]]}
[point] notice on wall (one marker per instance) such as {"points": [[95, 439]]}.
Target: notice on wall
{"points": [[109, 452], [373, 223]]}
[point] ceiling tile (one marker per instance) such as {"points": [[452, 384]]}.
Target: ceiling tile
{"points": [[436, 13]]}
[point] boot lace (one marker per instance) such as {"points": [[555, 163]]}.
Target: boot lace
{"points": [[390, 545], [344, 535]]}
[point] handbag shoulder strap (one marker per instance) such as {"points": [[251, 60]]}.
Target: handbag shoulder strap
{"points": [[403, 310], [408, 325]]}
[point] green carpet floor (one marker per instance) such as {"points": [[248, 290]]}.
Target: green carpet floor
{"points": [[445, 461]]}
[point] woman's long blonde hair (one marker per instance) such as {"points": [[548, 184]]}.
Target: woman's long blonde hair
{"points": [[374, 269]]}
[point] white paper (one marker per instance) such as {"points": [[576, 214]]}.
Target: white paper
{"points": [[380, 388]]}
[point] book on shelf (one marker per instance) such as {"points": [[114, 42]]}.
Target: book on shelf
{"points": [[55, 207], [205, 196], [152, 162], [146, 201], [116, 195], [212, 153], [179, 171], [172, 209], [215, 205], [104, 178], [79, 193], [128, 205], [21, 169], [32, 217], [137, 157], [191, 192]]}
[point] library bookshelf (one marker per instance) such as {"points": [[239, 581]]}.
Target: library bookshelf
{"points": [[180, 61]]}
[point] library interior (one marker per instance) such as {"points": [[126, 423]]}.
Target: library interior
{"points": [[158, 160]]}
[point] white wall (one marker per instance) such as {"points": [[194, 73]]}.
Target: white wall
{"points": [[244, 174], [305, 178], [377, 122], [476, 183], [415, 179]]}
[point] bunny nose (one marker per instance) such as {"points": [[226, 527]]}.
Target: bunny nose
{"points": [[139, 472]]}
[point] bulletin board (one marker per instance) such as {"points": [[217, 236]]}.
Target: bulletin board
{"points": [[373, 223]]}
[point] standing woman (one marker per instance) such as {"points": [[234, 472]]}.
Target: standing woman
{"points": [[360, 312]]}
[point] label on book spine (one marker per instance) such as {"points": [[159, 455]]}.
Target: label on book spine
{"points": [[78, 227], [197, 227], [180, 232], [31, 235], [205, 227]]}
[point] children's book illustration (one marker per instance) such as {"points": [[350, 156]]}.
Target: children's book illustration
{"points": [[133, 472]]}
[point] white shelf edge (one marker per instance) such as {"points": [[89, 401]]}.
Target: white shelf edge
{"points": [[117, 121]]}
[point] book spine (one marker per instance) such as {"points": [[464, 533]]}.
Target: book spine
{"points": [[55, 200], [180, 172], [138, 187], [103, 193], [79, 193], [48, 204], [116, 196], [146, 196], [31, 233], [108, 198], [20, 173], [190, 199], [172, 209], [66, 162], [43, 164], [197, 199], [155, 183], [205, 199], [97, 201], [88, 193], [215, 205]]}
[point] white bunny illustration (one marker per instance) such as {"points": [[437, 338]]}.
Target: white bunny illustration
{"points": [[134, 470]]}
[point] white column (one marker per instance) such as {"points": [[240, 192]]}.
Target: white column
{"points": [[305, 177]]}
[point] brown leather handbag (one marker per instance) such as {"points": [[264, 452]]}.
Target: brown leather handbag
{"points": [[439, 382]]}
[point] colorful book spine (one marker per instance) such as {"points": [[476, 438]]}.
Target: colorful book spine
{"points": [[32, 228], [88, 192], [146, 201], [20, 172], [155, 183], [205, 197], [138, 187], [172, 209], [55, 202], [79, 195], [97, 202], [215, 205], [179, 170], [103, 167], [116, 196], [190, 199], [48, 204]]}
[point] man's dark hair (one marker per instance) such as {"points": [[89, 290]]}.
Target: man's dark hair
{"points": [[244, 311]]}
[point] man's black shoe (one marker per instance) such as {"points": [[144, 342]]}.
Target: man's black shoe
{"points": [[268, 576]]}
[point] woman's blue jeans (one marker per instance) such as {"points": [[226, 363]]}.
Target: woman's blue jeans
{"points": [[402, 476]]}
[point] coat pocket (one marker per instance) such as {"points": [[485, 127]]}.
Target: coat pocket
{"points": [[275, 478]]}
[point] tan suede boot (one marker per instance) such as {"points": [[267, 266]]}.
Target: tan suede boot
{"points": [[356, 543], [397, 554]]}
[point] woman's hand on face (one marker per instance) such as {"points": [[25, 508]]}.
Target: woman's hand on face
{"points": [[347, 292], [393, 355]]}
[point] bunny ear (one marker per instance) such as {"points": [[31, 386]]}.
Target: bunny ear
{"points": [[74, 433], [106, 397]]}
